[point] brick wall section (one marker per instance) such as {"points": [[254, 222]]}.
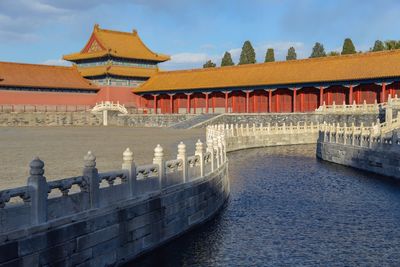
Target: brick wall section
{"points": [[114, 235]]}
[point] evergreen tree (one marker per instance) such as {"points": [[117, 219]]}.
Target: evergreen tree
{"points": [[348, 47], [227, 60], [392, 44], [248, 56], [270, 55], [291, 54], [333, 53], [318, 51], [209, 64], [378, 46]]}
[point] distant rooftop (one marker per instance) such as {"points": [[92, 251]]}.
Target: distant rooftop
{"points": [[118, 44]]}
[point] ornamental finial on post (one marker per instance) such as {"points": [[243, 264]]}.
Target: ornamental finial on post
{"points": [[127, 156], [90, 160], [36, 167]]}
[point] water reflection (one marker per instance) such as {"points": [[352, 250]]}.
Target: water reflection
{"points": [[288, 208]]}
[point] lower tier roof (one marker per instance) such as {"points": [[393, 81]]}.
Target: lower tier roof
{"points": [[372, 65], [42, 76]]}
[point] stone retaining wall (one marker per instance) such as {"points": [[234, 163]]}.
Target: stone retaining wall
{"points": [[375, 149], [50, 119], [383, 160], [106, 219], [149, 120]]}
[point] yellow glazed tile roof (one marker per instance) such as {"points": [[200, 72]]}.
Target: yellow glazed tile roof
{"points": [[42, 76], [118, 44], [384, 64], [117, 70]]}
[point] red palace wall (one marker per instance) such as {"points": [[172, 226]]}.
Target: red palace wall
{"points": [[45, 98], [123, 95]]}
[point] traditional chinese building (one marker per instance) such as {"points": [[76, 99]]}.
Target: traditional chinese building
{"points": [[113, 58], [32, 84], [288, 86]]}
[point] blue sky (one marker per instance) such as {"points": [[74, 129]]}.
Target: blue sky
{"points": [[41, 31]]}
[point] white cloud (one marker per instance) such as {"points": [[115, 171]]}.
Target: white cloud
{"points": [[189, 58], [57, 62]]}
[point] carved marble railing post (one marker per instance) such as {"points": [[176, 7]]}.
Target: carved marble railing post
{"points": [[91, 177], [182, 156], [159, 160], [200, 153], [389, 111], [216, 151], [129, 165], [220, 149], [38, 190], [210, 150]]}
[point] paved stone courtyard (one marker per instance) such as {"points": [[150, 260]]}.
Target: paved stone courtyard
{"points": [[62, 148]]}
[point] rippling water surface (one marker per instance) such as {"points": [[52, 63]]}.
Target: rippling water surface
{"points": [[288, 208]]}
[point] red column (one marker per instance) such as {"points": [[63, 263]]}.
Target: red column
{"points": [[161, 105], [351, 95], [155, 104], [302, 101], [171, 103], [213, 103], [206, 101], [188, 104], [195, 104], [277, 101], [321, 96], [294, 99], [226, 101], [247, 101], [270, 101], [383, 98], [255, 108], [233, 102]]}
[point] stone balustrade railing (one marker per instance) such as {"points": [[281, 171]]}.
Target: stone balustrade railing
{"points": [[238, 137], [42, 201], [361, 136], [360, 108]]}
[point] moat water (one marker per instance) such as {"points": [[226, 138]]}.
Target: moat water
{"points": [[289, 209]]}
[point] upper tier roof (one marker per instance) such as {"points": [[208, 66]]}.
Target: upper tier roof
{"points": [[118, 44], [354, 67], [42, 76]]}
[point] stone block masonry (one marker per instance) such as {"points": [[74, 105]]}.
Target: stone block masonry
{"points": [[103, 219], [375, 149], [50, 118]]}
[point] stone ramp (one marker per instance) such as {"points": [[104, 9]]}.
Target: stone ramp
{"points": [[190, 123]]}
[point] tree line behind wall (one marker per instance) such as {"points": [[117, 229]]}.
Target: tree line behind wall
{"points": [[248, 55]]}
